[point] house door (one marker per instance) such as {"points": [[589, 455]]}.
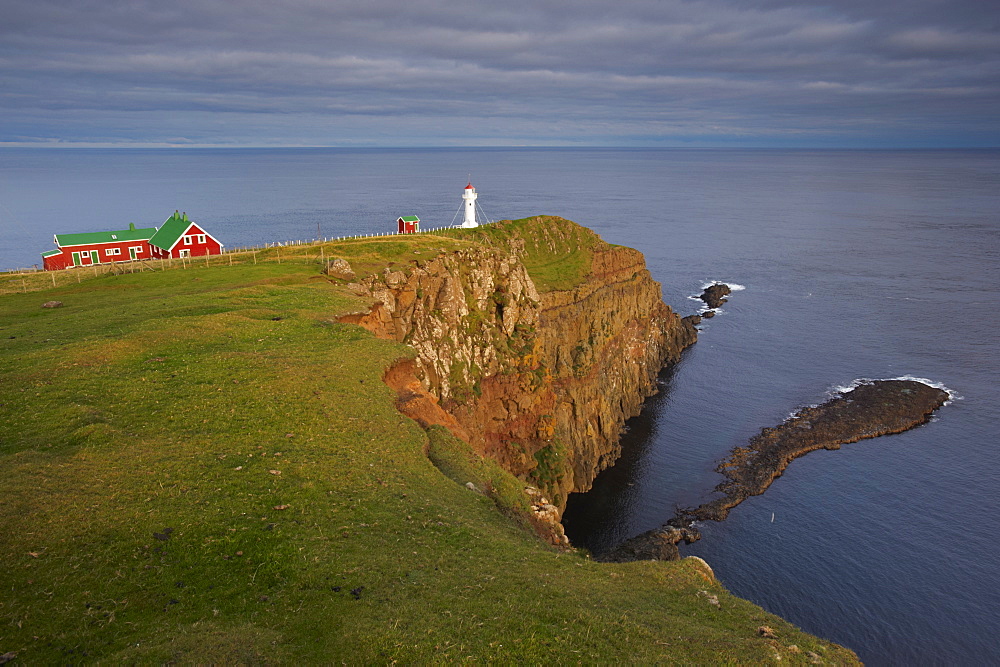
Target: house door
{"points": [[93, 257], [76, 259], [131, 253]]}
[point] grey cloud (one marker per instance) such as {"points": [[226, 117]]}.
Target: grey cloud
{"points": [[311, 71]]}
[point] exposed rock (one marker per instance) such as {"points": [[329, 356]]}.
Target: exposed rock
{"points": [[880, 407], [540, 382], [359, 289], [52, 304], [657, 544], [712, 296], [711, 598], [766, 632], [339, 268], [708, 314]]}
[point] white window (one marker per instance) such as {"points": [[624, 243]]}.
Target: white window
{"points": [[187, 240], [108, 252], [138, 249], [201, 238], [185, 253]]}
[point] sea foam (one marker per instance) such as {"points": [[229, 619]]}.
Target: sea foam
{"points": [[736, 287], [840, 390], [843, 389]]}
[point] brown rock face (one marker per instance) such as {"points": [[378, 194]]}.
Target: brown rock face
{"points": [[541, 382]]}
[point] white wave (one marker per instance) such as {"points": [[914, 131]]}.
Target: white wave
{"points": [[705, 309], [836, 390], [854, 384], [952, 394], [736, 287], [840, 390]]}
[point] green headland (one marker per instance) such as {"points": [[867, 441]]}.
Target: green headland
{"points": [[202, 464]]}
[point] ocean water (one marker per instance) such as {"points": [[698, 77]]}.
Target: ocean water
{"points": [[855, 264]]}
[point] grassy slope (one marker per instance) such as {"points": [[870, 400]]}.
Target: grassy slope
{"points": [[168, 400]]}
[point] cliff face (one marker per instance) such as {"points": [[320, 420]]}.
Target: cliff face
{"points": [[534, 345]]}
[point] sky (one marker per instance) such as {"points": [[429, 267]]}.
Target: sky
{"points": [[395, 73]]}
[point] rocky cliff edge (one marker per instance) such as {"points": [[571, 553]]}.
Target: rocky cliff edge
{"points": [[534, 344]]}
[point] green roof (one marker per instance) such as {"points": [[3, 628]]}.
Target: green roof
{"points": [[171, 230], [130, 234], [410, 218], [49, 253]]}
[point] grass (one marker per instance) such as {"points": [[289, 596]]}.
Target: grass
{"points": [[556, 252], [202, 465]]}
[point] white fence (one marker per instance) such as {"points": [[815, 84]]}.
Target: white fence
{"points": [[336, 239], [274, 244]]}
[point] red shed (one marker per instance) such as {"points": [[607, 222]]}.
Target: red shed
{"points": [[408, 224]]}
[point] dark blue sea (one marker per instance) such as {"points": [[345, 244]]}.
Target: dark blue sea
{"points": [[854, 264]]}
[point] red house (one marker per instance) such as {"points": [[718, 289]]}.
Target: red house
{"points": [[408, 224], [177, 237]]}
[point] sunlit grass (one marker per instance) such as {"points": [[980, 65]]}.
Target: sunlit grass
{"points": [[202, 465]]}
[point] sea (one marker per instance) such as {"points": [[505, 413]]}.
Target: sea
{"points": [[848, 264]]}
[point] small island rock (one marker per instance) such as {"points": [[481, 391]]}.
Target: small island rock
{"points": [[712, 296]]}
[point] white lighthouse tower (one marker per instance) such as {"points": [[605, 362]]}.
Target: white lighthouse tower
{"points": [[469, 199]]}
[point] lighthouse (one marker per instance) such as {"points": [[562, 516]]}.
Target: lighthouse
{"points": [[469, 199]]}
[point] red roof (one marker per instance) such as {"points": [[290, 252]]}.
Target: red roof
{"points": [[469, 186]]}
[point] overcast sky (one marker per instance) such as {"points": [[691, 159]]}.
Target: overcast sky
{"points": [[853, 73]]}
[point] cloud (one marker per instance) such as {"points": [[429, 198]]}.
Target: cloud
{"points": [[933, 42], [315, 72]]}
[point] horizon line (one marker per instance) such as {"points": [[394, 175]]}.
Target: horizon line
{"points": [[83, 146]]}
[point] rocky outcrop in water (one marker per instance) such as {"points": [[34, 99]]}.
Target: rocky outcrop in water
{"points": [[541, 380], [873, 409], [658, 544], [713, 295], [879, 407]]}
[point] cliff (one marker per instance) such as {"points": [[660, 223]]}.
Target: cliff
{"points": [[534, 345]]}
